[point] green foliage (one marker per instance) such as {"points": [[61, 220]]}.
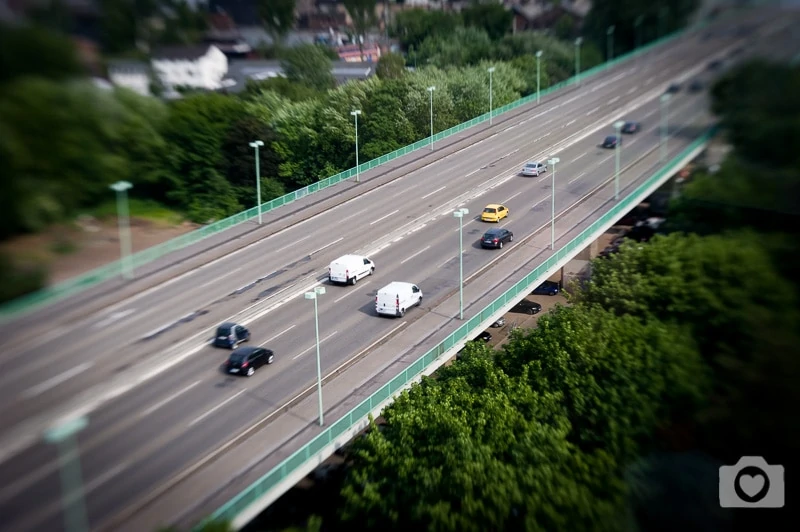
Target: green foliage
{"points": [[412, 26], [128, 25], [239, 164], [277, 17], [391, 66], [30, 51], [461, 47], [309, 65], [17, 281], [495, 19], [291, 90], [362, 13]]}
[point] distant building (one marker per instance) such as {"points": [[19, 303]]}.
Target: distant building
{"points": [[195, 67], [543, 14], [133, 75], [369, 53], [225, 35], [240, 72]]}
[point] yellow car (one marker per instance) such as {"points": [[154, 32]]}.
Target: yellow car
{"points": [[494, 213]]}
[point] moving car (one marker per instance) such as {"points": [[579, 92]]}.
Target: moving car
{"points": [[533, 169], [526, 307], [246, 360], [494, 212], [631, 127], [229, 335], [547, 288], [397, 297], [350, 268], [696, 86], [672, 88], [496, 237], [611, 141]]}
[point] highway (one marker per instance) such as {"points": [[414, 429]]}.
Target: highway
{"points": [[140, 438]]}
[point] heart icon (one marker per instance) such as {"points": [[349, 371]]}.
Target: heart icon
{"points": [[751, 484]]}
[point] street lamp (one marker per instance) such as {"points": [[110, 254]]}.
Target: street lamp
{"points": [[460, 215], [553, 161], [318, 291], [430, 90], [255, 145], [123, 221], [610, 44], [355, 115], [664, 132], [63, 435], [618, 126], [578, 42], [491, 70], [538, 74]]}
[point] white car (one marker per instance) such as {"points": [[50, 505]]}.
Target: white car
{"points": [[534, 169]]}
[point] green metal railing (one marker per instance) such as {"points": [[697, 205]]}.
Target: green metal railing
{"points": [[247, 497], [104, 273]]}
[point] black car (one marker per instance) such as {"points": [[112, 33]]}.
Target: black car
{"points": [[485, 336], [673, 88], [495, 238], [547, 288], [246, 360], [230, 335], [611, 141], [526, 307], [696, 86], [631, 127], [714, 65]]}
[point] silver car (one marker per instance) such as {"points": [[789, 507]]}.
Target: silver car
{"points": [[534, 169]]}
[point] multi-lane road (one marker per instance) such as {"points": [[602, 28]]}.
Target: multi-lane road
{"points": [[139, 438]]}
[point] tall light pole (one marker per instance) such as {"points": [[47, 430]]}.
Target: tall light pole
{"points": [[538, 75], [256, 144], [460, 213], [491, 71], [355, 115], [64, 436], [318, 291], [610, 44], [578, 42], [430, 90], [618, 126], [664, 125], [553, 161], [124, 223]]}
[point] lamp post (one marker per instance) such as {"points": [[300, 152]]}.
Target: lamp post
{"points": [[123, 221], [664, 125], [553, 161], [460, 213], [255, 145], [355, 115], [70, 471], [491, 71], [538, 75], [578, 42], [618, 126], [318, 291], [430, 90], [610, 44]]}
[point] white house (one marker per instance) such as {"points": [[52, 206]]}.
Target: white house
{"points": [[134, 75], [196, 67]]}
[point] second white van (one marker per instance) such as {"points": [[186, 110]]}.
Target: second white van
{"points": [[350, 268], [397, 297]]}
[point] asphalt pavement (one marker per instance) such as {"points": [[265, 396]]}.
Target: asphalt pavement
{"points": [[140, 438]]}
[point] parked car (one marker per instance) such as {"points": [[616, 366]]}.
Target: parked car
{"points": [[496, 237], [673, 88], [229, 335], [486, 336], [714, 65], [526, 307], [547, 288], [611, 141], [494, 212], [696, 86], [246, 360], [499, 323], [534, 169], [629, 128]]}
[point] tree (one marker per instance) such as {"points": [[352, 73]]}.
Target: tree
{"points": [[494, 18], [277, 17], [412, 26], [239, 161], [29, 51], [391, 66], [362, 12], [309, 65]]}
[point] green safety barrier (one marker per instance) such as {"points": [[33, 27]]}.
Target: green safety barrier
{"points": [[243, 500], [109, 271]]}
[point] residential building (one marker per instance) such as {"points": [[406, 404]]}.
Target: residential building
{"points": [[195, 67], [133, 75], [542, 14], [240, 72]]}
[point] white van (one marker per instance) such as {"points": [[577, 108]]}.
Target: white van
{"points": [[350, 268], [395, 298]]}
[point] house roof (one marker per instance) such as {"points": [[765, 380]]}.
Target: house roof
{"points": [[181, 52]]}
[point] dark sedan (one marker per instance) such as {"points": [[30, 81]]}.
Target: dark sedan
{"points": [[631, 127], [527, 307], [547, 288], [495, 238], [696, 86], [673, 88], [611, 141], [230, 335], [246, 360]]}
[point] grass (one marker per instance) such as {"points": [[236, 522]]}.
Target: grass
{"points": [[144, 209]]}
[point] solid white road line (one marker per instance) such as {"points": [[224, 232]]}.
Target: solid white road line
{"points": [[434, 192], [512, 197], [331, 335], [216, 280], [590, 113], [384, 217], [579, 156], [116, 316], [287, 329], [169, 399], [326, 246], [613, 100], [350, 292], [55, 381], [415, 254], [207, 413]]}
